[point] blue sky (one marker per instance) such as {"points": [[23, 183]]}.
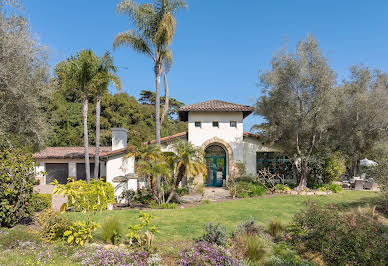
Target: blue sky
{"points": [[219, 45]]}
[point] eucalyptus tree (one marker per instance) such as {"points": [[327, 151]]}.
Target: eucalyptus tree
{"points": [[105, 74], [154, 29], [81, 73], [361, 119], [298, 103]]}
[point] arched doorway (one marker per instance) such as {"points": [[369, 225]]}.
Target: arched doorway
{"points": [[216, 165]]}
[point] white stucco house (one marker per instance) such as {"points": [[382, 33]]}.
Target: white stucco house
{"points": [[215, 126]]}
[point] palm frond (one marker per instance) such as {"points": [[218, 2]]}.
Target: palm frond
{"points": [[134, 41]]}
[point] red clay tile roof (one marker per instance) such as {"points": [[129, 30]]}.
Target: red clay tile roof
{"points": [[214, 106], [67, 152], [247, 134]]}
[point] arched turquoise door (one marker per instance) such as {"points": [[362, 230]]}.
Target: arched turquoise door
{"points": [[216, 166]]}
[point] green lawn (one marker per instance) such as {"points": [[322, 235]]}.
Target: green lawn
{"points": [[184, 224]]}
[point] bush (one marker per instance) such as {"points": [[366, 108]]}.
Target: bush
{"points": [[333, 167], [249, 227], [283, 255], [257, 251], [342, 238], [281, 187], [206, 254], [80, 233], [17, 171], [111, 230], [143, 233], [214, 234], [275, 228], [143, 195], [86, 197], [52, 224], [335, 188], [248, 189], [41, 202]]}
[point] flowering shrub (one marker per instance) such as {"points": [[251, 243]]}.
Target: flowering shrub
{"points": [[17, 170], [204, 253], [335, 188], [80, 233], [342, 238], [143, 196], [281, 187], [117, 256], [143, 233]]}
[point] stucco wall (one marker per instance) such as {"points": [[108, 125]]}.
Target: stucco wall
{"points": [[232, 135]]}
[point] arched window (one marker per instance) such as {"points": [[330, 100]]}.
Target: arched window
{"points": [[215, 150]]}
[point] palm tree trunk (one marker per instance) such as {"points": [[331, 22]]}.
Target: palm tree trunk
{"points": [[181, 174], [86, 138], [157, 69], [166, 99], [97, 155]]}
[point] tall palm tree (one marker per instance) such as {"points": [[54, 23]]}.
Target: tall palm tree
{"points": [[188, 161], [154, 28], [105, 75], [81, 73]]}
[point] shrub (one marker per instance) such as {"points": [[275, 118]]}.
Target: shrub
{"points": [[333, 167], [86, 197], [335, 188], [275, 228], [342, 238], [214, 234], [17, 170], [249, 227], [257, 251], [80, 233], [143, 233], [111, 230], [128, 195], [41, 201], [52, 224], [206, 201], [18, 237], [206, 254], [281, 187], [248, 189], [100, 256], [173, 205], [283, 255], [143, 195]]}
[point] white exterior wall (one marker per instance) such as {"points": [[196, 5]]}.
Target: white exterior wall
{"points": [[232, 135], [117, 166], [72, 167]]}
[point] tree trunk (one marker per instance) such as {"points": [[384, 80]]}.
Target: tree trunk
{"points": [[157, 70], [86, 137], [304, 172], [166, 100], [97, 155], [181, 174]]}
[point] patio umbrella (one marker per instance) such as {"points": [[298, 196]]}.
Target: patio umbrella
{"points": [[367, 162]]}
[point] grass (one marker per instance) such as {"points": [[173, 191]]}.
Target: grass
{"points": [[187, 223]]}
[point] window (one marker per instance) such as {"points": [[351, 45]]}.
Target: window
{"points": [[233, 124], [81, 173], [197, 124], [57, 171], [275, 163], [215, 124]]}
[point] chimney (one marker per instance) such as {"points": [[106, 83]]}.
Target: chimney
{"points": [[119, 138]]}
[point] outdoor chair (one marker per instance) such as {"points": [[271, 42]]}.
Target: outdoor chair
{"points": [[359, 184], [369, 184]]}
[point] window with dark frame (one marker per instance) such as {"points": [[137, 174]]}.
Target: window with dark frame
{"points": [[81, 171], [197, 124], [57, 171], [233, 124], [215, 124]]}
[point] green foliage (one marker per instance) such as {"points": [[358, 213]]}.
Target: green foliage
{"points": [[206, 201], [275, 228], [249, 227], [350, 238], [214, 234], [52, 224], [111, 230], [164, 205], [80, 233], [17, 179], [334, 166], [335, 188], [12, 238], [281, 187], [284, 255], [143, 196], [86, 197], [142, 234], [248, 189], [41, 202], [257, 250]]}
